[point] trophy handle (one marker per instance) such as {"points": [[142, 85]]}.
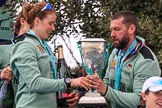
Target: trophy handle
{"points": [[108, 45]]}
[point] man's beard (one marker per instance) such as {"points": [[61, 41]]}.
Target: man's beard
{"points": [[123, 43]]}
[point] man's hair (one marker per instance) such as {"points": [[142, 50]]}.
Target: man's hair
{"points": [[128, 18]]}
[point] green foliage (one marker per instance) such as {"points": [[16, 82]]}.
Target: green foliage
{"points": [[92, 18], [85, 15]]}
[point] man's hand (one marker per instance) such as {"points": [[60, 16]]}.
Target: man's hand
{"points": [[97, 83], [6, 73]]}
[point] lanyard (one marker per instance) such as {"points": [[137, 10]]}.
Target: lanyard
{"points": [[120, 61], [48, 50]]}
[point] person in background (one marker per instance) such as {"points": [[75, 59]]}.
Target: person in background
{"points": [[21, 27], [32, 62], [152, 92], [130, 63]]}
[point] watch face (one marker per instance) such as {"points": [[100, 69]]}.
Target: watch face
{"points": [[68, 80]]}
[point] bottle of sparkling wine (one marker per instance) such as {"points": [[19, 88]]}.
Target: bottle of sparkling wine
{"points": [[63, 72]]}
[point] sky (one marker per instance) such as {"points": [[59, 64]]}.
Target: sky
{"points": [[69, 43]]}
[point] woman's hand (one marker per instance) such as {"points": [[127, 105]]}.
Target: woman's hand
{"points": [[80, 82], [73, 99]]}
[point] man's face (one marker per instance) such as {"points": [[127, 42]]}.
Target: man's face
{"points": [[119, 33], [153, 99]]}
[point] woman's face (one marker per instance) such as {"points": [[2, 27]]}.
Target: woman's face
{"points": [[153, 99], [45, 26]]}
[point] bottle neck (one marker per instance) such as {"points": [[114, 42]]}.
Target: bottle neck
{"points": [[60, 53]]}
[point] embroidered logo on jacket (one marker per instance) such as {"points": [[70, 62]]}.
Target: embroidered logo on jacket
{"points": [[40, 49], [113, 64], [129, 66]]}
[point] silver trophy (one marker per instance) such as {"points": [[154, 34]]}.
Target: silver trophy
{"points": [[94, 54]]}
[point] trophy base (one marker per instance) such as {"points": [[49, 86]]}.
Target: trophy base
{"points": [[92, 100]]}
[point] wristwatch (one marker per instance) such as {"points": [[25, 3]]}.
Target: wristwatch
{"points": [[67, 82]]}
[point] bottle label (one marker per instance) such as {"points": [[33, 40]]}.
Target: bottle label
{"points": [[65, 95]]}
